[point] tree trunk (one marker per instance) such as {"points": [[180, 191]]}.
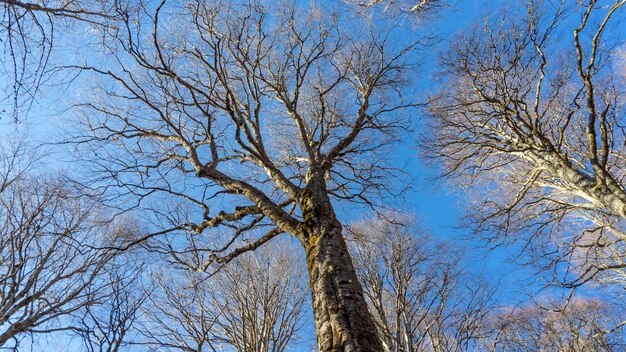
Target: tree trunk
{"points": [[342, 319], [609, 196]]}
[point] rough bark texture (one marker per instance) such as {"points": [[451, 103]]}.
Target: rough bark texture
{"points": [[342, 319]]}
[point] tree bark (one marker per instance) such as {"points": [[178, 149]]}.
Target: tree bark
{"points": [[608, 195], [342, 319]]}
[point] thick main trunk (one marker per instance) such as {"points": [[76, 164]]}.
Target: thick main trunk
{"points": [[342, 319], [611, 197]]}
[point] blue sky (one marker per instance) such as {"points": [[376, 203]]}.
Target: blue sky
{"points": [[430, 200]]}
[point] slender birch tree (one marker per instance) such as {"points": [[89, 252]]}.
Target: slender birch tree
{"points": [[420, 295]]}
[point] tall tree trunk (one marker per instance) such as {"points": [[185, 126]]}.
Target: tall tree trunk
{"points": [[342, 319]]}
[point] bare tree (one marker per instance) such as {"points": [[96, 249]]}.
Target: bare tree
{"points": [[530, 116], [420, 296], [108, 323], [583, 325], [17, 158], [255, 304], [48, 257], [257, 117], [27, 33], [260, 298], [409, 6], [179, 315]]}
